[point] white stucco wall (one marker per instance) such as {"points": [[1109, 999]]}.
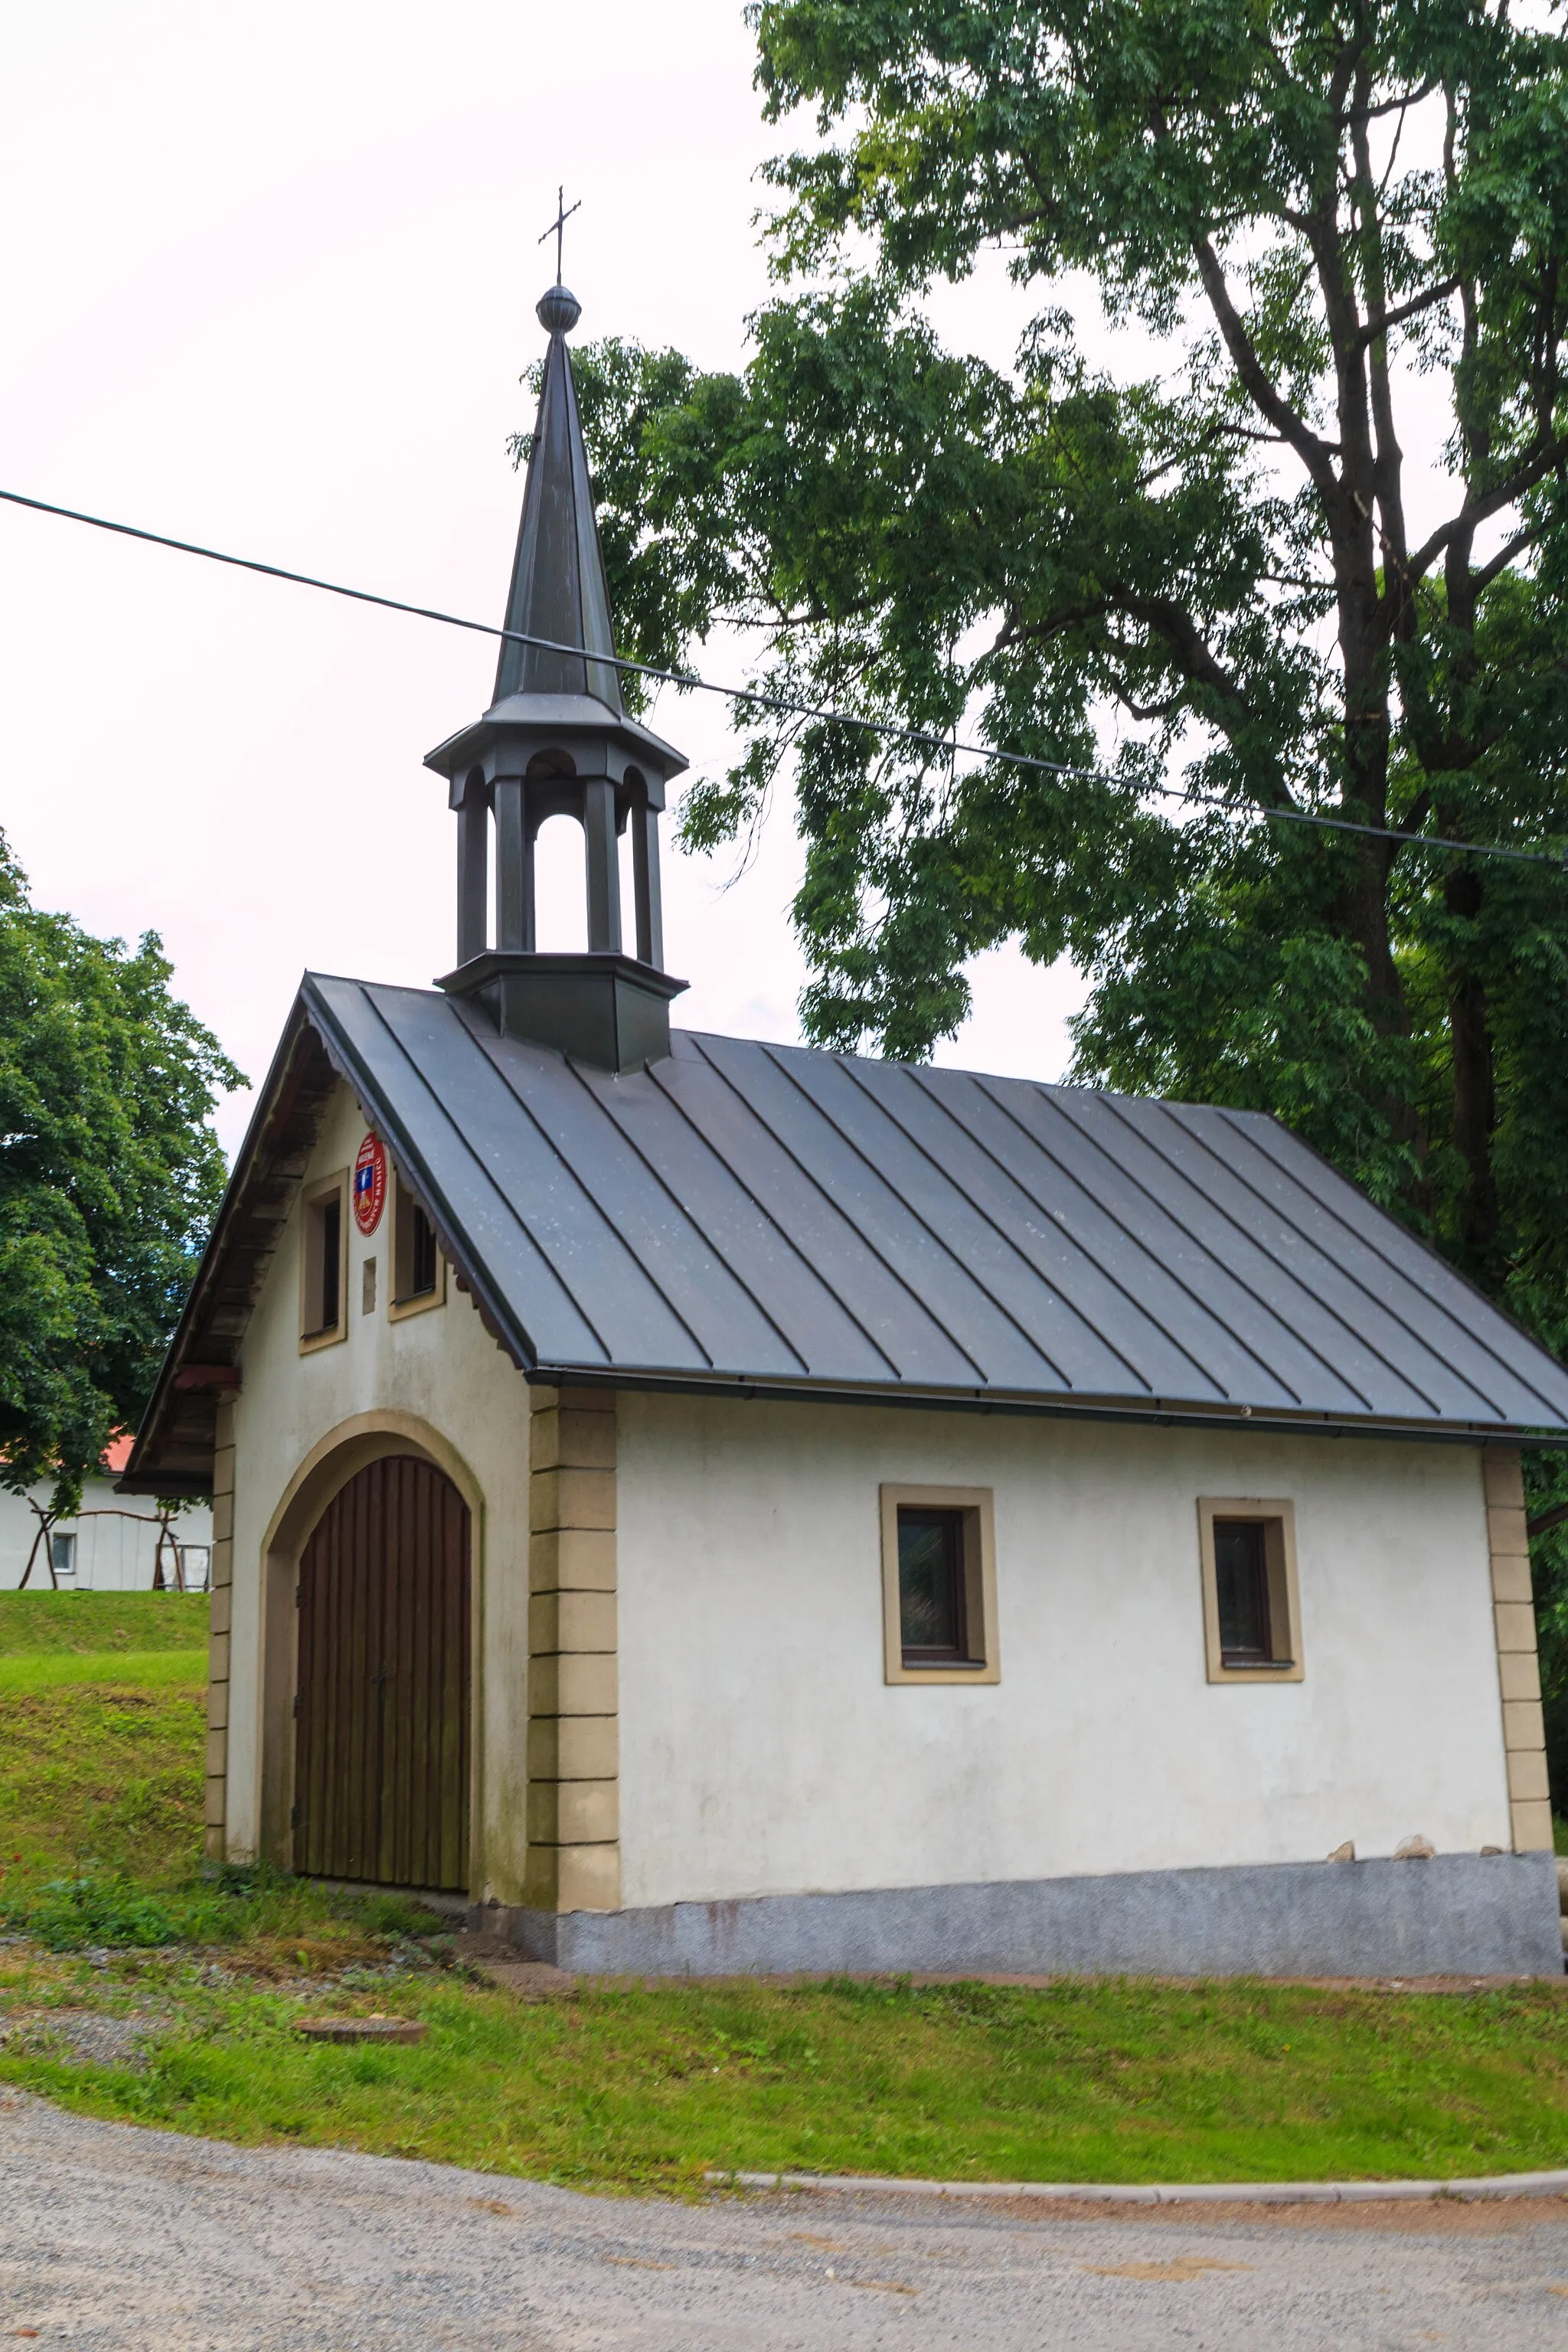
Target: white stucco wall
{"points": [[442, 1366], [762, 1753], [116, 1537]]}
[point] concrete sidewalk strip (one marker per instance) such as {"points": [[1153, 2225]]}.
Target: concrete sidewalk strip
{"points": [[1206, 2192]]}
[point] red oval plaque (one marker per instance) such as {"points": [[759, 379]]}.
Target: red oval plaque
{"points": [[370, 1184]]}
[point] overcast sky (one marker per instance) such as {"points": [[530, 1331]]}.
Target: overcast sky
{"points": [[268, 281]]}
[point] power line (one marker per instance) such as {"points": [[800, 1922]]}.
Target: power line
{"points": [[785, 705]]}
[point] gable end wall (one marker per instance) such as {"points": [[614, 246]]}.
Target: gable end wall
{"points": [[439, 1372]]}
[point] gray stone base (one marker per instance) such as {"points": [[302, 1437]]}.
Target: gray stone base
{"points": [[1460, 1915]]}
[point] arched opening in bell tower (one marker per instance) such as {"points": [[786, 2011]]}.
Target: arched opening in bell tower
{"points": [[559, 886]]}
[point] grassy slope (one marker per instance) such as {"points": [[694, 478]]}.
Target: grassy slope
{"points": [[99, 1774], [101, 1781], [130, 1669], [101, 1722], [84, 1623]]}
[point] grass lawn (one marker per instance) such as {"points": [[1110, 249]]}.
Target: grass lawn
{"points": [[41, 1670], [91, 1624], [648, 2086], [651, 2086]]}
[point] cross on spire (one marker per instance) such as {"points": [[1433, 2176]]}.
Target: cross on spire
{"points": [[563, 211]]}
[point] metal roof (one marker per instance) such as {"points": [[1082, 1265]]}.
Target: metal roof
{"points": [[769, 1215]]}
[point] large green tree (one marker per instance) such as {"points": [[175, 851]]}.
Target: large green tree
{"points": [[1312, 557], [109, 1173], [1346, 225]]}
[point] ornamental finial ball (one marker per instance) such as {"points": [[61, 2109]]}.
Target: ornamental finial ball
{"points": [[558, 311]]}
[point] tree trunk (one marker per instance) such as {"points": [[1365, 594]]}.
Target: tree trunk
{"points": [[1366, 918], [1363, 626], [1475, 1099]]}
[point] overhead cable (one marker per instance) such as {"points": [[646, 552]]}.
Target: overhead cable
{"points": [[787, 706]]}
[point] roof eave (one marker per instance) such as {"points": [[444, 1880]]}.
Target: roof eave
{"points": [[137, 1477], [1164, 1412], [310, 1014], [492, 1305]]}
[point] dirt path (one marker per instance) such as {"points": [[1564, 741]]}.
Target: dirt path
{"points": [[115, 2239]]}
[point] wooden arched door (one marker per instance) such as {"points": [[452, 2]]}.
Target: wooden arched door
{"points": [[381, 1759]]}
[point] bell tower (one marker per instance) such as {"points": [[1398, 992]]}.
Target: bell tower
{"points": [[557, 739]]}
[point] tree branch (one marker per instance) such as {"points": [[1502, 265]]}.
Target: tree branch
{"points": [[1483, 576], [1148, 711], [1313, 451], [1534, 469], [1185, 648], [1379, 326], [1388, 457], [1417, 814], [1392, 105]]}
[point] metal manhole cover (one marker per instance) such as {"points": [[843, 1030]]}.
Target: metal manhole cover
{"points": [[361, 2029]]}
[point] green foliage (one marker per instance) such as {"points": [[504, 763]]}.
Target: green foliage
{"points": [[109, 1173], [74, 1913], [114, 1910], [1312, 206]]}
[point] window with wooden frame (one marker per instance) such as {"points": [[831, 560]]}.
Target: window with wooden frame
{"points": [[1252, 1617], [418, 1268], [324, 1262], [938, 1585]]}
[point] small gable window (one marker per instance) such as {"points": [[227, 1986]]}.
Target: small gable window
{"points": [[418, 1268], [323, 1262], [1251, 1617], [938, 1585]]}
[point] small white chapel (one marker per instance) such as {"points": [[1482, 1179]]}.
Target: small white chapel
{"points": [[721, 1506]]}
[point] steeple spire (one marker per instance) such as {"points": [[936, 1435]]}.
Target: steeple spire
{"points": [[558, 587], [557, 741]]}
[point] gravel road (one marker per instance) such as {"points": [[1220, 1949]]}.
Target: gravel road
{"points": [[112, 2237]]}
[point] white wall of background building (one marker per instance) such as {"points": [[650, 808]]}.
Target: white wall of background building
{"points": [[108, 1546]]}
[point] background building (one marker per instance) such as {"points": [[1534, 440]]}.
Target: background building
{"points": [[112, 1544]]}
